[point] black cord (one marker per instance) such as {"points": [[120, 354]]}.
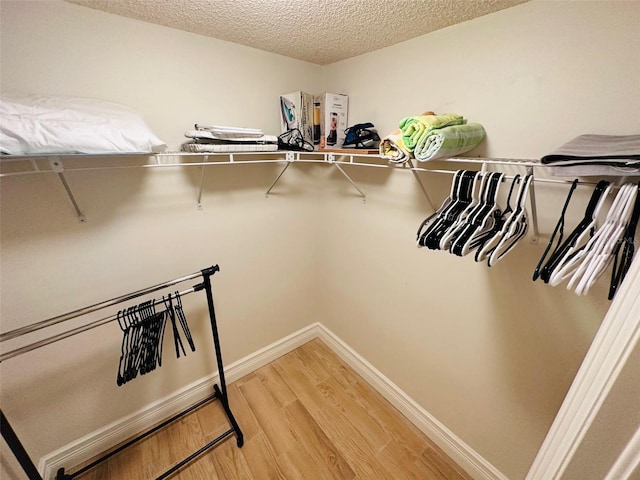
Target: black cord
{"points": [[294, 140]]}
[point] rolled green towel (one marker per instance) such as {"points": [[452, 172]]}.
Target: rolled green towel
{"points": [[413, 128], [449, 141]]}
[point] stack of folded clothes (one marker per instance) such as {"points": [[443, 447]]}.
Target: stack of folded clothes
{"points": [[222, 139], [597, 155], [430, 136]]}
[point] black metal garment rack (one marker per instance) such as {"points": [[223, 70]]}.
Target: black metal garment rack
{"points": [[219, 393]]}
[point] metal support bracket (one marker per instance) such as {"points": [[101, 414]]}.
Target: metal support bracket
{"points": [[362, 194], [424, 190], [58, 168], [199, 203], [289, 162], [534, 208]]}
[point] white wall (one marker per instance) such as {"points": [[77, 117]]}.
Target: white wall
{"points": [[143, 226], [173, 78], [488, 352], [534, 75]]}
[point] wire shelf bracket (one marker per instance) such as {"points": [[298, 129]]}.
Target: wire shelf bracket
{"points": [[58, 167]]}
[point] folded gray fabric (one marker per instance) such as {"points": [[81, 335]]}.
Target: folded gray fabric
{"points": [[592, 171], [613, 150]]}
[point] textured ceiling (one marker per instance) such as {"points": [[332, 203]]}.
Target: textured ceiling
{"points": [[317, 31]]}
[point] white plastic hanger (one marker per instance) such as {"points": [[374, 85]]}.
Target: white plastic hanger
{"points": [[602, 253], [576, 265], [558, 275], [479, 181], [430, 220], [481, 220], [624, 251], [457, 201], [515, 227], [556, 236], [544, 271], [494, 236], [466, 195], [598, 241]]}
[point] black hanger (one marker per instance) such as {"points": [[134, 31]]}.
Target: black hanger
{"points": [[149, 344], [183, 321], [517, 218], [176, 335], [478, 217], [143, 317], [446, 204], [448, 215], [134, 346], [558, 229], [463, 198], [560, 252], [130, 333], [458, 224], [452, 218], [143, 337], [499, 219], [120, 380], [461, 224], [159, 321]]}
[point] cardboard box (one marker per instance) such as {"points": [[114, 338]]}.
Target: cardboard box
{"points": [[296, 111], [332, 111]]}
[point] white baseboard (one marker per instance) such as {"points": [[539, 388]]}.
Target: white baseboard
{"points": [[99, 441], [96, 442], [461, 453]]}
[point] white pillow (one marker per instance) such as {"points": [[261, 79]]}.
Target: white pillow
{"points": [[37, 124]]}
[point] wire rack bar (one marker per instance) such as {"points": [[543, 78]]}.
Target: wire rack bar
{"points": [[287, 158], [92, 308], [69, 333]]}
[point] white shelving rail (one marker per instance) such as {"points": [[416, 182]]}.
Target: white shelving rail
{"points": [[55, 164]]}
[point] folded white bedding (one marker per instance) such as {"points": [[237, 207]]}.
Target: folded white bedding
{"points": [[208, 135], [229, 147], [224, 131], [38, 124]]}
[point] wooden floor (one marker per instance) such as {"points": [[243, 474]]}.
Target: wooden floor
{"points": [[304, 416]]}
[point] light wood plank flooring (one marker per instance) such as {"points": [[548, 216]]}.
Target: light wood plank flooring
{"points": [[305, 416]]}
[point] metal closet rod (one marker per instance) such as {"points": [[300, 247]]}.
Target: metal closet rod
{"points": [[74, 331], [98, 306], [152, 165], [452, 172], [332, 158], [290, 156], [175, 165]]}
